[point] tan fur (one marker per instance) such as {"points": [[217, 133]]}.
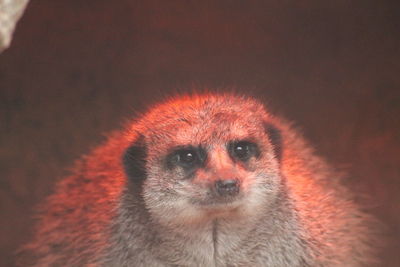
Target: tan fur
{"points": [[291, 209]]}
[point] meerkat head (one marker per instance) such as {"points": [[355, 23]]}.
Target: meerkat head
{"points": [[204, 157]]}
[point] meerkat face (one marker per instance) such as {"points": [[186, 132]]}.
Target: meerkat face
{"points": [[207, 161]]}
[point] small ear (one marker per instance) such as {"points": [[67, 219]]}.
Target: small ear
{"points": [[134, 161], [275, 137]]}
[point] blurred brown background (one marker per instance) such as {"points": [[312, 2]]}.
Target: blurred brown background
{"points": [[76, 69]]}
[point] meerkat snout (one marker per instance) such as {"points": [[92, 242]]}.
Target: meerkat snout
{"points": [[228, 187], [225, 164]]}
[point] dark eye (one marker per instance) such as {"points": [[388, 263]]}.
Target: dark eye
{"points": [[186, 157], [243, 150]]}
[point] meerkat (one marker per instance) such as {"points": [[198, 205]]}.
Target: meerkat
{"points": [[202, 180]]}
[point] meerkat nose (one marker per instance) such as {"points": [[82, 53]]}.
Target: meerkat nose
{"points": [[227, 187]]}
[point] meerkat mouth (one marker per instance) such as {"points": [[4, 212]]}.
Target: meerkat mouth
{"points": [[220, 210], [220, 203]]}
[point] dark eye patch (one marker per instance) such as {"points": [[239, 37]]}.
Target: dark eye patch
{"points": [[243, 150], [186, 157]]}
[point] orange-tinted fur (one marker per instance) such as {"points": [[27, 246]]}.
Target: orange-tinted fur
{"points": [[130, 203]]}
